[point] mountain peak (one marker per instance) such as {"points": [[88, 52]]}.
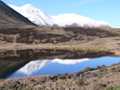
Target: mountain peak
{"points": [[41, 18], [33, 14], [30, 8]]}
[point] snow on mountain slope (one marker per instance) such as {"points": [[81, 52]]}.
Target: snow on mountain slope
{"points": [[33, 14], [39, 17], [71, 18]]}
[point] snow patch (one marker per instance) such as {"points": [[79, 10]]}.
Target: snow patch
{"points": [[34, 14]]}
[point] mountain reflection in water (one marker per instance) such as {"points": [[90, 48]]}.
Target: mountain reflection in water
{"points": [[59, 66]]}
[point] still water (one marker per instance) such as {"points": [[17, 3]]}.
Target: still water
{"points": [[58, 66]]}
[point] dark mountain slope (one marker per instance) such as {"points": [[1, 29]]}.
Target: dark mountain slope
{"points": [[11, 18]]}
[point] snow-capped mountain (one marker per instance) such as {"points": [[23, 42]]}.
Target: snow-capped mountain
{"points": [[39, 17], [33, 14], [72, 18]]}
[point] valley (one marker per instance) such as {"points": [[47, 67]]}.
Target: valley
{"points": [[28, 34]]}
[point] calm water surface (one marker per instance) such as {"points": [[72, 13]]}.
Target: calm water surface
{"points": [[53, 68]]}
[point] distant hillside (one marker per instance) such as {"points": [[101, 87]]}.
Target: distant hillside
{"points": [[10, 18]]}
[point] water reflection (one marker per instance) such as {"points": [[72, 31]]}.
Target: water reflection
{"points": [[57, 66], [12, 60]]}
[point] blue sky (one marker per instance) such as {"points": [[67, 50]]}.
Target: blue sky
{"points": [[106, 10]]}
